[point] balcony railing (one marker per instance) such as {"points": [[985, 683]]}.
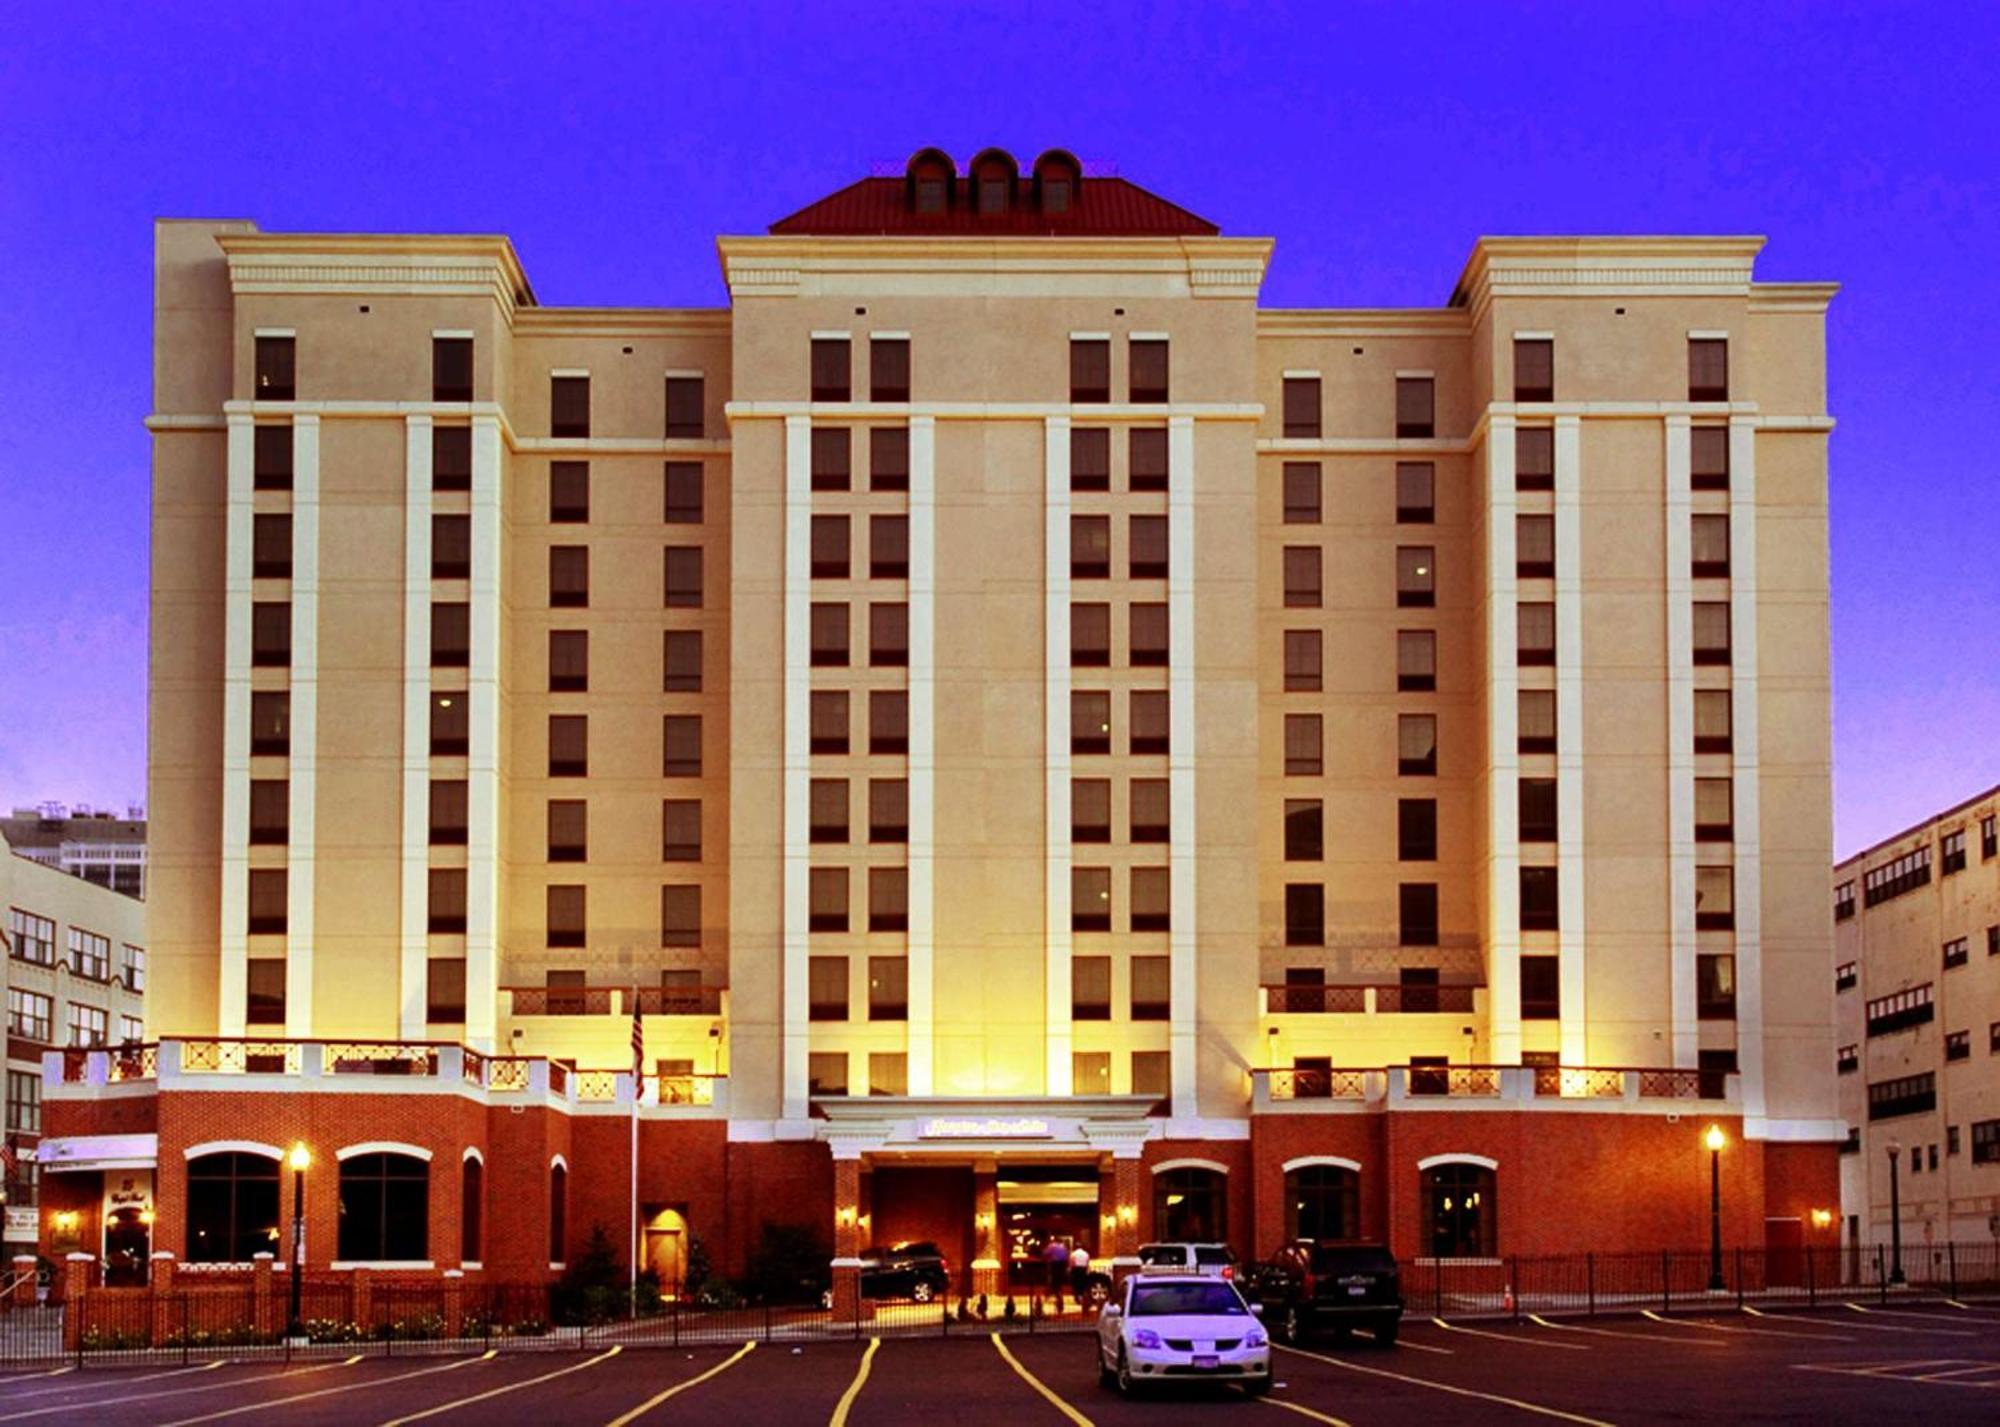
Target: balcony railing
{"points": [[1423, 1000], [1384, 1000], [1527, 1087], [613, 1000]]}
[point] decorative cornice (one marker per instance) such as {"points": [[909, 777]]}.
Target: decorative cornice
{"points": [[1364, 322], [388, 264], [1603, 266], [786, 266], [623, 322]]}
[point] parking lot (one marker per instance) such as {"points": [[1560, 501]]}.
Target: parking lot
{"points": [[1835, 1365]]}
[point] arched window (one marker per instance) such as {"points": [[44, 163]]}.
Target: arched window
{"points": [[1461, 1209], [1057, 177], [993, 178], [471, 1204], [1322, 1201], [232, 1207], [385, 1208], [1189, 1205], [558, 1212], [929, 180]]}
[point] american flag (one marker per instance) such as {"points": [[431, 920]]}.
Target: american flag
{"points": [[638, 1046], [9, 1158]]}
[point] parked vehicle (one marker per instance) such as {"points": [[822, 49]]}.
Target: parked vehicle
{"points": [[1215, 1260], [916, 1271], [1313, 1286], [1181, 1327]]}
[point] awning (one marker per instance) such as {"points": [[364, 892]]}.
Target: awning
{"points": [[78, 1153]]}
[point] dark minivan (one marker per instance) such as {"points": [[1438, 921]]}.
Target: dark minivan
{"points": [[915, 1271], [1308, 1287]]}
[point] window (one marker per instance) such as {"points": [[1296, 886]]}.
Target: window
{"points": [[29, 1015], [888, 369], [1416, 576], [1951, 849], [569, 576], [1416, 493], [1416, 830], [270, 634], [569, 661], [1710, 548], [451, 369], [1847, 1059], [1534, 546], [888, 810], [444, 991], [569, 745], [1152, 988], [888, 721], [1909, 1095], [1708, 369], [1715, 987], [1534, 369], [888, 1072], [1955, 953], [446, 901], [1146, 458], [1089, 458], [1302, 661], [888, 636], [1149, 730], [1951, 1139], [680, 916], [24, 1102], [271, 458], [683, 577], [1892, 879], [1189, 1206], [685, 400], [1090, 810], [1989, 836], [1302, 745], [1302, 417], [1536, 714], [1322, 1201], [271, 547], [832, 458], [1416, 660], [828, 819], [264, 992], [1714, 809], [1534, 458], [1416, 745], [681, 661], [1152, 899], [826, 1073], [889, 547], [569, 406], [451, 635], [558, 1213], [1540, 908], [384, 1209], [1711, 632], [1090, 547], [568, 830], [1958, 1045], [1714, 898], [1708, 450], [889, 458], [1535, 624], [683, 482], [451, 728], [826, 899], [888, 899], [451, 458], [826, 988], [1302, 577], [33, 937], [832, 369], [565, 907], [1992, 940], [268, 899], [471, 1207], [1149, 636], [1305, 830], [1148, 369], [88, 1026], [888, 989], [270, 722], [1090, 899], [1712, 717], [1843, 901], [1537, 802], [451, 546], [1090, 988], [1147, 547], [1460, 1211], [1415, 403], [829, 547], [1986, 1142], [232, 1207], [829, 636], [1417, 913], [1305, 914], [277, 367], [828, 721], [270, 811], [89, 954], [1089, 722], [1089, 369], [1090, 1072], [1090, 635], [680, 830], [1541, 988], [1151, 810], [1845, 976], [1152, 1072]]}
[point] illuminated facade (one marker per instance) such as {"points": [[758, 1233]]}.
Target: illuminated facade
{"points": [[1053, 747]]}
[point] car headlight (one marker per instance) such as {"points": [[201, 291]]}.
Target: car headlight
{"points": [[1145, 1338], [1254, 1338]]}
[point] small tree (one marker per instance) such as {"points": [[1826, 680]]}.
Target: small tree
{"points": [[593, 1289], [789, 1264]]}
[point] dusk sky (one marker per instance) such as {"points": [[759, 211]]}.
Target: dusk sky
{"points": [[1374, 142]]}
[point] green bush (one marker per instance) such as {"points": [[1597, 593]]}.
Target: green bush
{"points": [[789, 1265]]}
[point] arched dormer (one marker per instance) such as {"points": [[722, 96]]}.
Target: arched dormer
{"points": [[995, 176], [930, 181], [1058, 176]]}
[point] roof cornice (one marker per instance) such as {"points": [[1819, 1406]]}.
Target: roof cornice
{"points": [[1605, 266], [623, 321], [1363, 322], [380, 263]]}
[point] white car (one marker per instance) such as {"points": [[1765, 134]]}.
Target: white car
{"points": [[1162, 1327], [1216, 1259]]}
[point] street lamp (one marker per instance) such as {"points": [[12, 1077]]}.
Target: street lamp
{"points": [[1895, 1149], [300, 1158], [1715, 1140]]}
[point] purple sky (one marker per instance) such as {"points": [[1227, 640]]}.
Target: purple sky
{"points": [[612, 143]]}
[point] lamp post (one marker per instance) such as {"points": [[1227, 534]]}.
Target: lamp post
{"points": [[300, 1158], [1895, 1149], [1715, 1140]]}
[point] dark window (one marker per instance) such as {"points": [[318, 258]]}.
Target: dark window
{"points": [[568, 830], [833, 458], [888, 369], [264, 992], [1416, 660], [826, 988], [1302, 745], [1152, 986], [1090, 988], [445, 905], [1089, 369], [1715, 986], [888, 458], [1416, 830], [683, 486], [686, 396], [1910, 1095], [1535, 546], [1461, 1211], [826, 1071], [1089, 458], [1302, 661], [569, 745], [1151, 810], [1415, 407], [826, 899], [1090, 810], [569, 661], [1951, 853], [1714, 810], [384, 1208], [1416, 745], [1090, 899], [1090, 635], [1989, 837], [827, 817], [271, 634], [566, 907], [1322, 1201], [1190, 1206], [1957, 952], [888, 636], [680, 738], [1302, 577], [1147, 547], [680, 916], [1535, 625], [271, 458], [270, 811], [1534, 458], [683, 577], [1716, 1066], [827, 720], [1535, 711], [271, 547], [1709, 546], [829, 549], [444, 991], [1708, 369], [681, 661], [1416, 493], [888, 721], [1708, 451], [471, 1205], [680, 830], [888, 810], [451, 369], [271, 722], [1416, 576], [1843, 901], [569, 576], [888, 899], [1089, 722], [1149, 730], [829, 636], [232, 1205], [888, 988], [268, 897], [889, 547], [1538, 809], [832, 369], [451, 458], [1146, 458], [1302, 418], [277, 369], [451, 547], [1541, 988], [1149, 369], [1714, 898], [1417, 904], [1302, 492], [1986, 1142], [1540, 907], [1305, 830], [569, 406], [451, 635], [1090, 547], [1534, 369], [1892, 879], [1846, 976], [1711, 721]]}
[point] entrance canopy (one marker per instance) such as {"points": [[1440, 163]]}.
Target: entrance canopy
{"points": [[1080, 1127]]}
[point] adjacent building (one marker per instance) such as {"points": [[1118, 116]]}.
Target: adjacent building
{"points": [[1036, 743], [92, 843]]}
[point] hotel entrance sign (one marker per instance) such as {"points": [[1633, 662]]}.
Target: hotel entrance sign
{"points": [[974, 1128]]}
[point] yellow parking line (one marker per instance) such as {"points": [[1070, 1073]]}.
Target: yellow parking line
{"points": [[176, 1391], [1509, 1337], [52, 1372], [491, 1392], [1039, 1386], [1534, 1407], [650, 1403], [72, 1387], [1961, 1372], [1304, 1411], [1614, 1333], [840, 1408], [488, 1356], [1751, 1332], [1904, 1313]]}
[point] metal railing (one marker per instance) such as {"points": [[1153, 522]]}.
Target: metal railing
{"points": [[239, 1056], [1316, 1084], [1530, 1086]]}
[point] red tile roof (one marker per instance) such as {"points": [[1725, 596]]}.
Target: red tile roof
{"points": [[1101, 208]]}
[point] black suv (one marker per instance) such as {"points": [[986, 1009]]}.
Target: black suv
{"points": [[1309, 1286], [915, 1271]]}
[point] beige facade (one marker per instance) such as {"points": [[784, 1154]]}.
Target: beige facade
{"points": [[1917, 1008], [1595, 557]]}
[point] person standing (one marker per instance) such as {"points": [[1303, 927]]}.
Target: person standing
{"points": [[1057, 1256], [1079, 1271]]}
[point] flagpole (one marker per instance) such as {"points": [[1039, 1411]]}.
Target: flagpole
{"points": [[638, 1089]]}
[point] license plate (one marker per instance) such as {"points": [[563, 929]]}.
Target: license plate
{"points": [[1355, 1290], [1207, 1360]]}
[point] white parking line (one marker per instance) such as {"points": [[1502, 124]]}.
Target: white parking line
{"points": [[1534, 1407], [1982, 1368], [174, 1391], [1635, 1337], [487, 1357], [1906, 1313], [1402, 1342], [49, 1372], [79, 1385], [1865, 1327], [1303, 1411], [459, 1402], [1747, 1332], [1509, 1338]]}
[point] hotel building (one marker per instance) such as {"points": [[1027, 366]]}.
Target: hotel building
{"points": [[1049, 746]]}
